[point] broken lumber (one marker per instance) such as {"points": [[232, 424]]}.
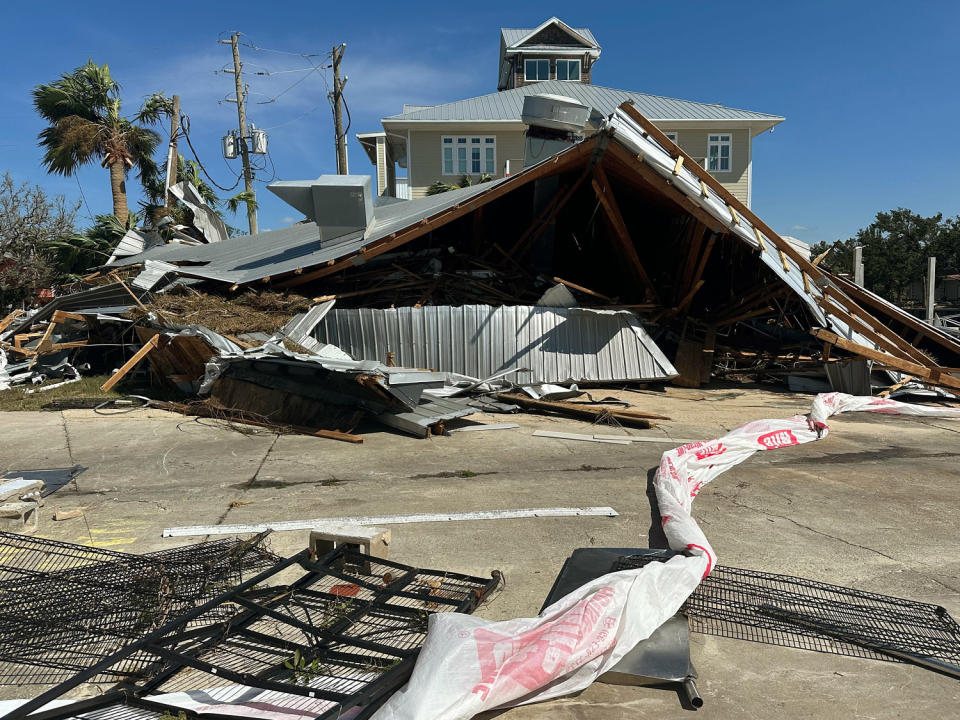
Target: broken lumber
{"points": [[931, 376], [593, 414], [139, 355]]}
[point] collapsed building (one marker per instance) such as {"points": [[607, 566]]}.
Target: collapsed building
{"points": [[617, 258]]}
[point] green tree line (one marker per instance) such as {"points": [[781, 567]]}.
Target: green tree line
{"points": [[896, 246]]}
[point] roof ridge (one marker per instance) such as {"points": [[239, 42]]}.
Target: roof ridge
{"points": [[675, 99]]}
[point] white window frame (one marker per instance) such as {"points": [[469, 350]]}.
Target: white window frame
{"points": [[526, 78], [568, 61], [673, 135], [723, 139], [483, 141]]}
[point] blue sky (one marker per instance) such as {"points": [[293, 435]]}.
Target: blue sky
{"points": [[869, 89]]}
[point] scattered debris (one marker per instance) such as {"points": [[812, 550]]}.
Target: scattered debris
{"points": [[65, 607], [342, 637]]}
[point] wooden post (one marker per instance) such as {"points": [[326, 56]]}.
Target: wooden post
{"points": [[172, 155]]}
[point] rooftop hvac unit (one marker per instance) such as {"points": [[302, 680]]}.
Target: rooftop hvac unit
{"points": [[258, 141], [230, 146], [338, 204], [555, 112]]}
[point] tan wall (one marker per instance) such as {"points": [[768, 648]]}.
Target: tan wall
{"points": [[694, 143], [425, 166]]}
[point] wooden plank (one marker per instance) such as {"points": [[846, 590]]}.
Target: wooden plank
{"points": [[688, 363], [559, 163], [368, 291], [897, 314], [783, 261], [582, 289], [9, 319], [933, 376], [684, 275], [580, 411], [542, 219], [604, 192], [687, 299], [892, 344], [678, 165], [139, 355]]}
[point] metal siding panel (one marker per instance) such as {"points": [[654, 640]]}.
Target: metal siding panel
{"points": [[480, 340]]}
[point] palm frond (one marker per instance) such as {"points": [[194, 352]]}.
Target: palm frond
{"points": [[155, 108], [244, 196]]}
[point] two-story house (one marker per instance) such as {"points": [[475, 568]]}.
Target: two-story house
{"points": [[485, 136]]}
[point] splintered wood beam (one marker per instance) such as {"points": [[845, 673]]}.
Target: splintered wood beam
{"points": [[760, 242], [584, 290], [685, 273], [678, 166], [891, 342], [601, 186], [702, 265], [783, 261], [369, 291], [932, 376], [151, 344], [806, 282], [682, 305], [743, 316]]}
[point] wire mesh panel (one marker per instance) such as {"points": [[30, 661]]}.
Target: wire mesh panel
{"points": [[64, 607], [334, 643], [800, 613]]}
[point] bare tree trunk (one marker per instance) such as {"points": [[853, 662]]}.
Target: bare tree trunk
{"points": [[118, 187]]}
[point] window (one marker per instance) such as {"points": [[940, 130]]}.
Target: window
{"points": [[568, 69], [536, 70], [718, 152], [468, 155], [672, 134]]}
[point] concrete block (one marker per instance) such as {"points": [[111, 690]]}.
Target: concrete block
{"points": [[371, 541]]}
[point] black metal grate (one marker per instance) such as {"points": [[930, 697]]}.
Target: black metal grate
{"points": [[65, 607], [344, 635], [796, 612]]}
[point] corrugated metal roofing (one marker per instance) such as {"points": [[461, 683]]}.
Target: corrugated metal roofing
{"points": [[252, 257], [508, 105], [511, 36], [555, 344]]}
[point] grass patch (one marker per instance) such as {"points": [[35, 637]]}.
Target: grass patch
{"points": [[16, 398]]}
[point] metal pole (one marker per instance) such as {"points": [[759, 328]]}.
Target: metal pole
{"points": [[858, 265], [341, 140], [242, 116], [931, 285], [172, 151]]}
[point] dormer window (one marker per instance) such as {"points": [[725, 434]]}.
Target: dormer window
{"points": [[568, 69], [534, 70]]}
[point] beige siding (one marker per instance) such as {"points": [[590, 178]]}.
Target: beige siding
{"points": [[694, 143], [425, 165]]}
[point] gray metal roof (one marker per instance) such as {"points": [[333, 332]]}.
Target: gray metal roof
{"points": [[511, 36], [508, 105], [555, 344], [247, 258]]}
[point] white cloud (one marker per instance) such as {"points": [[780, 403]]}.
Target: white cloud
{"points": [[287, 220], [800, 228]]}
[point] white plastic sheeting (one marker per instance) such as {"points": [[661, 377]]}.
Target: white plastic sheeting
{"points": [[469, 665]]}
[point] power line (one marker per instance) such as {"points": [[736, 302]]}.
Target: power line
{"points": [[185, 131]]}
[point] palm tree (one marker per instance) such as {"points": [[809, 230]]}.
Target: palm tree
{"points": [[83, 112]]}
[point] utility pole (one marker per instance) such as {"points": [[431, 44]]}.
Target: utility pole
{"points": [[172, 151], [335, 96], [244, 136]]}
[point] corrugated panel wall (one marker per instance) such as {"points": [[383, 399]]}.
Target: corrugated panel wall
{"points": [[556, 344]]}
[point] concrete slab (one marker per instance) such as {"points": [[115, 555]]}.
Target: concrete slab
{"points": [[873, 506]]}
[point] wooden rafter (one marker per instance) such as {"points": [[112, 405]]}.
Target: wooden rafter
{"points": [[932, 376], [624, 243]]}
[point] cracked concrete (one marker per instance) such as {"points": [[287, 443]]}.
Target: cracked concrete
{"points": [[881, 520]]}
